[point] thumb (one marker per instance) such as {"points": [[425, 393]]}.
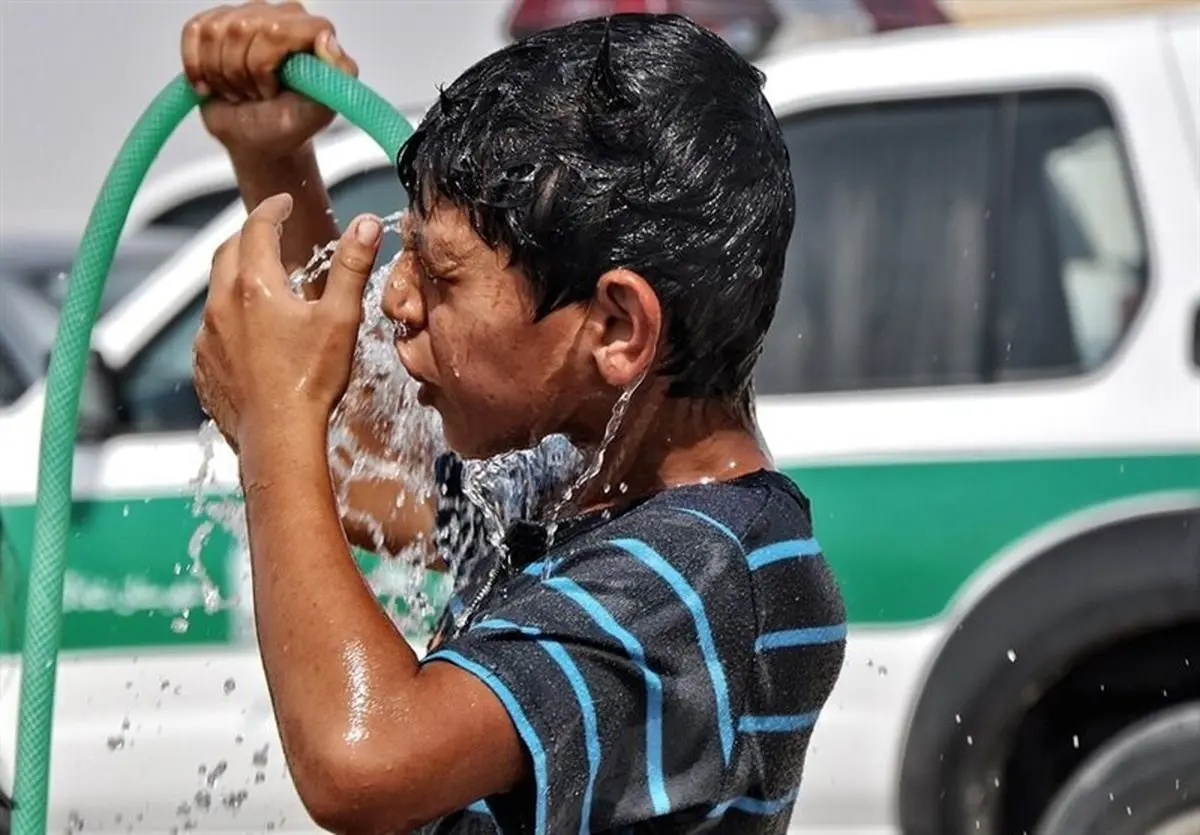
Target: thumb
{"points": [[351, 266]]}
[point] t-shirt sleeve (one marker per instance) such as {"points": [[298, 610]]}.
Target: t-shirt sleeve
{"points": [[621, 666]]}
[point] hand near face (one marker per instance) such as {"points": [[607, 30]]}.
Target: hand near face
{"points": [[266, 359]]}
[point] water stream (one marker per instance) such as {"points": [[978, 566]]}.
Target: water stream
{"points": [[381, 434]]}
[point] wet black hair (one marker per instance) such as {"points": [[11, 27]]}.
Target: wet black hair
{"points": [[637, 141]]}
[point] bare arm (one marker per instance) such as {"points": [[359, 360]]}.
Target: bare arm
{"points": [[375, 742]]}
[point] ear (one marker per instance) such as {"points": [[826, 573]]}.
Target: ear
{"points": [[630, 318]]}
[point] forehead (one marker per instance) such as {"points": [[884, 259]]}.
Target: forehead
{"points": [[444, 233]]}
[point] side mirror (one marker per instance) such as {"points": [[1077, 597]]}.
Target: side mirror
{"points": [[99, 400]]}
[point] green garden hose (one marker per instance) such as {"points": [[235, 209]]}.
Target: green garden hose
{"points": [[43, 619]]}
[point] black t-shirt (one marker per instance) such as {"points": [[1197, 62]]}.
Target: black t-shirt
{"points": [[663, 662]]}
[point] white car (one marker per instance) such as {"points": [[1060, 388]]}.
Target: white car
{"points": [[984, 371]]}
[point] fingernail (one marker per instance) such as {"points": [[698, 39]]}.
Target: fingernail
{"points": [[335, 48], [367, 231]]}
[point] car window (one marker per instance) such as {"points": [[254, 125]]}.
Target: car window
{"points": [[11, 384], [957, 241], [124, 276], [196, 212], [1073, 264], [156, 387], [157, 392]]}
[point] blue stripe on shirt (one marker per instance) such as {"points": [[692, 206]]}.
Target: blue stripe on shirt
{"points": [[722, 527], [587, 706], [786, 550], [754, 805], [654, 695], [777, 724], [812, 636], [536, 569], [528, 735], [695, 606]]}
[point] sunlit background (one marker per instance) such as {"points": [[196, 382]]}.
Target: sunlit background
{"points": [[984, 370]]}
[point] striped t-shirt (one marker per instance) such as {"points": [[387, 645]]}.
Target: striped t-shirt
{"points": [[663, 662]]}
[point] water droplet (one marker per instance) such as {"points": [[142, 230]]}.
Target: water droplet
{"points": [[1075, 741], [958, 718], [235, 799], [230, 686], [116, 743], [970, 740], [179, 625], [217, 771], [1012, 656], [260, 756], [883, 671], [203, 800], [125, 510]]}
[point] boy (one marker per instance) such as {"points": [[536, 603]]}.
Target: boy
{"points": [[599, 219]]}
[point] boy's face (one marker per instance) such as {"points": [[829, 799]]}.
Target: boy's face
{"points": [[466, 333]]}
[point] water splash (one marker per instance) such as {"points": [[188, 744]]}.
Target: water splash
{"points": [[379, 433], [322, 256], [211, 512], [595, 463]]}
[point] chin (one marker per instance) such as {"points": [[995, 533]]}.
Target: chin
{"points": [[474, 445]]}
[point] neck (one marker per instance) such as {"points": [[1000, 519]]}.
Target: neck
{"points": [[664, 443]]}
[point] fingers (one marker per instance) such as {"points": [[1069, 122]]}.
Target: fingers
{"points": [[212, 42], [350, 269], [224, 270], [193, 50], [232, 65], [259, 256], [262, 60], [233, 52]]}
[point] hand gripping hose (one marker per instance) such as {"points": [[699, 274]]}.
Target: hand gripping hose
{"points": [[68, 360]]}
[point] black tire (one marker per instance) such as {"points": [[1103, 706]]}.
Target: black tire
{"points": [[1142, 778]]}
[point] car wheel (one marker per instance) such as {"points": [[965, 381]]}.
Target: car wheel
{"points": [[1143, 781]]}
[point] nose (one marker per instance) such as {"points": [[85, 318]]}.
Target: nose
{"points": [[402, 299]]}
